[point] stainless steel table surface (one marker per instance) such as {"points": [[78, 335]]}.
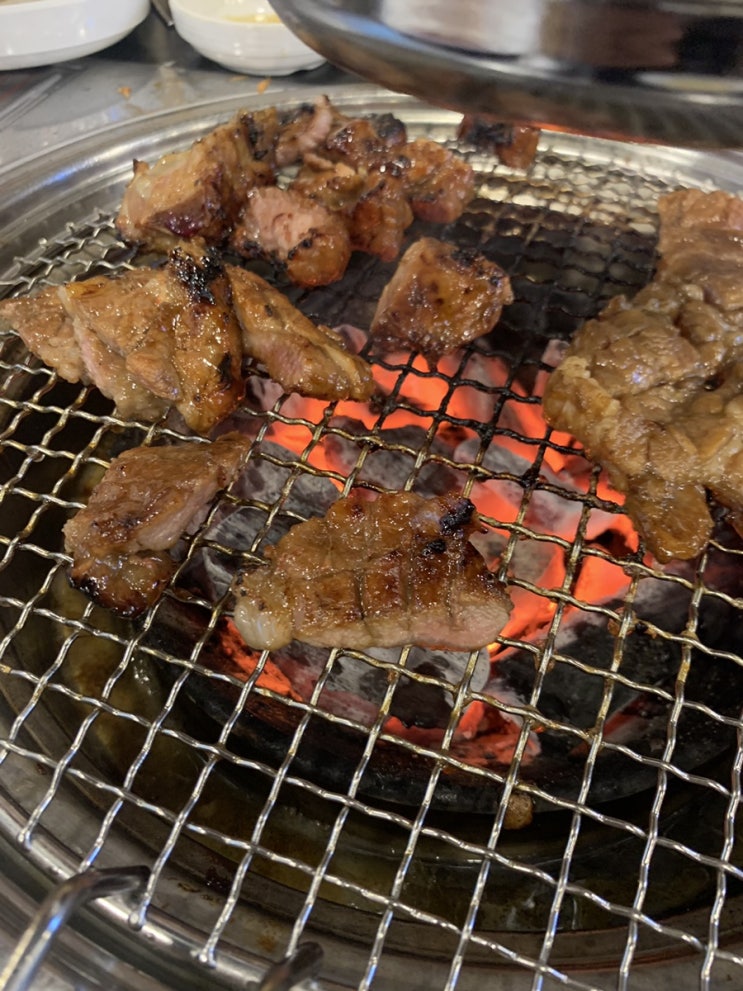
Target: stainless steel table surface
{"points": [[150, 70]]}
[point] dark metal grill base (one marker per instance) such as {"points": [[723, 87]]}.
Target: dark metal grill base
{"points": [[107, 762]]}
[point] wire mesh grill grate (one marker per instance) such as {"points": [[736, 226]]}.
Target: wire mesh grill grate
{"points": [[612, 712]]}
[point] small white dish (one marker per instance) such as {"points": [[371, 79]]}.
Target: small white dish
{"points": [[242, 35], [42, 32]]}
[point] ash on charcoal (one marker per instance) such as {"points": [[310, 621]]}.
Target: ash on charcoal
{"points": [[239, 525], [391, 458], [356, 685], [643, 688]]}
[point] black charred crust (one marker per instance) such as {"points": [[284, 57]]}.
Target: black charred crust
{"points": [[458, 517], [253, 134], [389, 128], [434, 547], [466, 256], [486, 135], [304, 245], [224, 371], [196, 274], [297, 113]]}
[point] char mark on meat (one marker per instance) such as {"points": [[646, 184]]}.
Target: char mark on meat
{"points": [[398, 569], [439, 299], [514, 144], [653, 387], [150, 339], [145, 502]]}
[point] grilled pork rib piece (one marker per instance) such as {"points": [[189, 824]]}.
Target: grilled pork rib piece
{"points": [[175, 336], [149, 339], [360, 185], [147, 499], [200, 191], [300, 236], [514, 144], [399, 569], [197, 192], [439, 298], [302, 357], [373, 203], [653, 388], [439, 182]]}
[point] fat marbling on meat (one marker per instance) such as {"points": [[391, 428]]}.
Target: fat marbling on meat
{"points": [[144, 503], [653, 387], [398, 569]]}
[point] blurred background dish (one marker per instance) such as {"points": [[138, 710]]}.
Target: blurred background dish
{"points": [[40, 32], [242, 35]]}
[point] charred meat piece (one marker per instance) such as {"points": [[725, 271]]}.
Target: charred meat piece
{"points": [[364, 142], [439, 182], [149, 339], [399, 569], [372, 203], [382, 214], [653, 388], [198, 192], [514, 144], [77, 354], [439, 298], [302, 131], [145, 502], [297, 234], [302, 357]]}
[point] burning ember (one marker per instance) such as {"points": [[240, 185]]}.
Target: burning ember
{"points": [[464, 426], [594, 646]]}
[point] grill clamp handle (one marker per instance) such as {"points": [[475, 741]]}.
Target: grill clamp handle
{"points": [[55, 910], [287, 973], [38, 937]]}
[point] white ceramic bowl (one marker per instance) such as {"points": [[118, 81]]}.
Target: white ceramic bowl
{"points": [[40, 32], [242, 35]]}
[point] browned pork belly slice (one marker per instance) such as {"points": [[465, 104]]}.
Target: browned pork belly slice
{"points": [[48, 330], [297, 234], [302, 357], [398, 569], [45, 328], [653, 388], [149, 339], [439, 298], [146, 501], [174, 328]]}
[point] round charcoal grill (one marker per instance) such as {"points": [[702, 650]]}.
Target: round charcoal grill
{"points": [[561, 810]]}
